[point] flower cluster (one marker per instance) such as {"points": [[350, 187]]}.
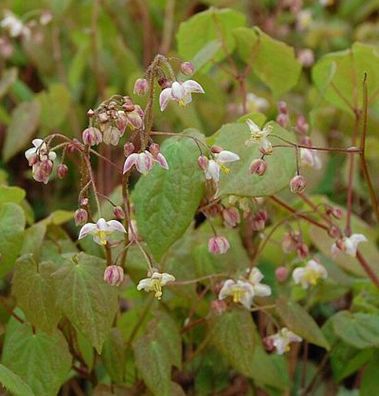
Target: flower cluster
{"points": [[41, 159]]}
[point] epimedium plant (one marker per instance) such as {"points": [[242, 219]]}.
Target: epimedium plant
{"points": [[169, 287]]}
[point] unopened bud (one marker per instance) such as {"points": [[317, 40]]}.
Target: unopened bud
{"points": [[187, 68], [218, 306], [231, 216], [62, 171], [141, 86], [80, 217], [218, 245], [203, 162], [154, 149], [258, 167], [282, 107], [259, 220], [128, 107], [337, 213], [268, 344], [119, 213], [128, 149], [90, 113], [84, 202], [281, 274], [92, 136], [216, 149], [334, 232], [302, 251], [164, 83], [103, 117], [301, 125], [114, 275], [297, 184], [283, 120]]}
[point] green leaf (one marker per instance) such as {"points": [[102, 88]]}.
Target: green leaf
{"points": [[114, 356], [281, 164], [24, 123], [42, 361], [8, 78], [273, 61], [55, 104], [300, 322], [370, 379], [339, 76], [13, 383], [166, 200], [87, 301], [359, 330], [11, 194], [32, 285], [12, 224], [156, 352], [206, 27], [233, 333]]}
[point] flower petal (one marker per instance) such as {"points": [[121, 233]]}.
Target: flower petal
{"points": [[115, 225], [162, 161], [87, 229], [226, 156], [129, 162], [193, 86], [178, 91], [164, 98], [254, 128]]}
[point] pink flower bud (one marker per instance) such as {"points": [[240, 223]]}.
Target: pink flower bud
{"points": [[187, 68], [218, 245], [84, 202], [128, 149], [281, 274], [92, 136], [42, 170], [141, 86], [301, 125], [258, 167], [289, 242], [216, 149], [268, 344], [121, 121], [103, 117], [282, 107], [337, 213], [154, 149], [203, 162], [259, 220], [114, 275], [80, 217], [302, 251], [231, 216], [218, 306], [62, 171], [306, 57], [297, 184], [283, 120], [334, 232], [164, 83], [119, 213], [90, 113], [128, 107]]}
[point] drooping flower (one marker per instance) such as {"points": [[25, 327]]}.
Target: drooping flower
{"points": [[241, 292], [281, 340], [260, 289], [309, 275], [155, 283], [212, 171], [310, 158], [92, 136], [158, 156], [218, 245], [101, 230], [114, 275], [259, 136], [348, 245], [144, 162], [13, 25], [297, 184], [231, 216], [141, 86], [180, 92], [39, 152]]}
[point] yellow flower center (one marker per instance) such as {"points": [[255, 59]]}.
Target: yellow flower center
{"points": [[157, 287], [224, 169], [182, 103], [237, 294], [312, 277], [102, 235]]}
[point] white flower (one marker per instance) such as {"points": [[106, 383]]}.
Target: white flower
{"points": [[259, 136], [310, 274], [304, 20], [348, 245], [144, 162], [101, 230], [155, 282], [217, 164], [241, 292], [13, 25], [40, 151], [281, 340], [310, 158], [260, 289], [256, 103], [179, 92]]}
